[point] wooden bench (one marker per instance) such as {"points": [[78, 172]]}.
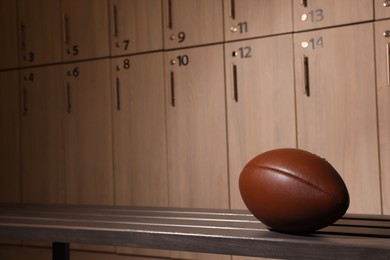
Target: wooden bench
{"points": [[233, 232]]}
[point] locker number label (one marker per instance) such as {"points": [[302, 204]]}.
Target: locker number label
{"points": [[126, 64], [313, 16], [75, 72], [181, 36], [29, 77], [29, 57], [74, 50], [243, 52], [313, 43], [241, 27], [183, 60]]}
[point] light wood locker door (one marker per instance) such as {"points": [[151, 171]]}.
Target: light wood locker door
{"points": [[85, 29], [336, 107], [10, 179], [382, 39], [196, 123], [88, 133], [192, 22], [260, 101], [136, 26], [254, 18], [9, 31], [139, 130], [42, 135], [196, 132], [39, 32], [140, 160], [382, 9], [311, 14]]}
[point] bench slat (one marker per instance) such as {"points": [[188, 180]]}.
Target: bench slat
{"points": [[234, 232]]}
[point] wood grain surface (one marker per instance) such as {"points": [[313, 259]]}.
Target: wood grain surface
{"points": [[234, 232]]}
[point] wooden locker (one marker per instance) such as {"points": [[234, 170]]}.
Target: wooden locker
{"points": [[42, 134], [196, 130], [312, 14], [336, 107], [192, 22], [254, 18], [10, 179], [260, 101], [88, 133], [139, 130], [39, 32], [140, 160], [8, 28], [196, 124], [85, 29], [135, 26], [88, 137], [382, 9], [382, 40]]}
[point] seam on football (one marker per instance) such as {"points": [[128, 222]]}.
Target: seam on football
{"points": [[294, 177]]}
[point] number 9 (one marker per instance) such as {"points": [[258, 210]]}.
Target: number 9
{"points": [[182, 36]]}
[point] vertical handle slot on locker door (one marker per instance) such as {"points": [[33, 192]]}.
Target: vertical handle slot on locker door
{"points": [[232, 9], [66, 29], [306, 75], [118, 94], [304, 3], [22, 36], [172, 78], [116, 31], [388, 64], [235, 83], [170, 15], [24, 101], [68, 98]]}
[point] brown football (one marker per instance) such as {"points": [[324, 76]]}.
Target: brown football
{"points": [[293, 191]]}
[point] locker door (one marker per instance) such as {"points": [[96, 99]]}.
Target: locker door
{"points": [[196, 131], [382, 9], [10, 179], [192, 22], [196, 127], [42, 135], [88, 133], [140, 160], [336, 107], [39, 32], [254, 18], [135, 26], [260, 101], [8, 28], [383, 93], [86, 29], [139, 136], [310, 14]]}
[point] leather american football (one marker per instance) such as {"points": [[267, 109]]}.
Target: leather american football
{"points": [[293, 191]]}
